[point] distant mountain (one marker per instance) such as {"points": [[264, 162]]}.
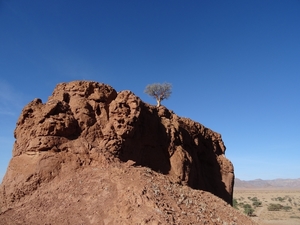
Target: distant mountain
{"points": [[277, 183]]}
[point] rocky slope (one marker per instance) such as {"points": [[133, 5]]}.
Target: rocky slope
{"points": [[90, 155]]}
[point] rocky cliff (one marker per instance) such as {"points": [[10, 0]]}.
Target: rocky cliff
{"points": [[88, 128]]}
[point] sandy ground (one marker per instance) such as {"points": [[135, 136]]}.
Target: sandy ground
{"points": [[288, 198]]}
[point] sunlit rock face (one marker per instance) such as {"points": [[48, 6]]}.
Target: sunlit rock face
{"points": [[89, 125]]}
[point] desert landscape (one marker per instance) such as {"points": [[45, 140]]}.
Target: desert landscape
{"points": [[91, 155], [149, 112], [272, 205]]}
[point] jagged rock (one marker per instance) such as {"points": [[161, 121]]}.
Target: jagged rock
{"points": [[88, 125]]}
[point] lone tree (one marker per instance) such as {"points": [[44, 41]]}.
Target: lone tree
{"points": [[159, 91]]}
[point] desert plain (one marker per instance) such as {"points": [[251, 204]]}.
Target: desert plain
{"points": [[276, 207]]}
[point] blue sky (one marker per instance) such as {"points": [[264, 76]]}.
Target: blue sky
{"points": [[234, 66]]}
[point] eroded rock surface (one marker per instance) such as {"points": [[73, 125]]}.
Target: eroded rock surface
{"points": [[88, 125]]}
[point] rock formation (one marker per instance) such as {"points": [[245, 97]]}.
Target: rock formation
{"points": [[88, 126]]}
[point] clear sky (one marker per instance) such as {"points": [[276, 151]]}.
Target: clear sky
{"points": [[234, 66]]}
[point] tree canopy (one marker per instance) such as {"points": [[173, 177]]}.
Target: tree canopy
{"points": [[159, 91]]}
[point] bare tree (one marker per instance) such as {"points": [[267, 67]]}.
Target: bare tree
{"points": [[159, 91]]}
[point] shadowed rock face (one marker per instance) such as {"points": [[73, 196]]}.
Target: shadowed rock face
{"points": [[88, 124]]}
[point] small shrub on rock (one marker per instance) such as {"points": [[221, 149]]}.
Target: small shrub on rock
{"points": [[248, 210], [275, 207], [286, 208], [280, 199], [235, 203], [257, 204]]}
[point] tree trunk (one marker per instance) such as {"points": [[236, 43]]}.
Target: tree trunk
{"points": [[158, 102]]}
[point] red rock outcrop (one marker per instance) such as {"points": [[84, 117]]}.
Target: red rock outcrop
{"points": [[89, 125]]}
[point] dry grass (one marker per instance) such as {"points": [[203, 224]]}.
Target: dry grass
{"points": [[289, 214]]}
